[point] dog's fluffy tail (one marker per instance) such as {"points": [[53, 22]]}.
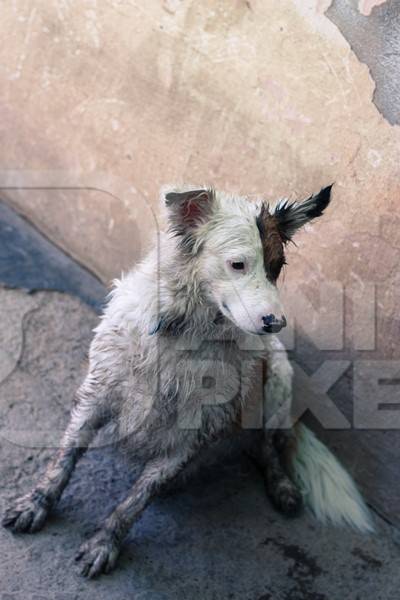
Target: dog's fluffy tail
{"points": [[328, 489]]}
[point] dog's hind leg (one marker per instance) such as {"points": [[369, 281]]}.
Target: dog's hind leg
{"points": [[279, 439], [99, 554], [29, 513]]}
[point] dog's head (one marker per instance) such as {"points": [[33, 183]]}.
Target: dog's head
{"points": [[237, 249]]}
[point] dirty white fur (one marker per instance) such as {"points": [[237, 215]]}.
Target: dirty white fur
{"points": [[196, 289], [159, 341], [227, 235], [327, 487]]}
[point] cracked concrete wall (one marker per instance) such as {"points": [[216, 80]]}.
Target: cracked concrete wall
{"points": [[259, 97]]}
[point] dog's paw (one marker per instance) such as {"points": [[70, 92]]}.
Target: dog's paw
{"points": [[27, 514], [98, 555], [287, 498]]}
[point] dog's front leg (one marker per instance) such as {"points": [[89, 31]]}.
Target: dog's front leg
{"points": [[99, 554], [29, 512], [278, 437]]}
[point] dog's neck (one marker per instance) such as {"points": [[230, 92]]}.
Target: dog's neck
{"points": [[183, 305]]}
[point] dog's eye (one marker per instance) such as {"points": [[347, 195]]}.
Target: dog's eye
{"points": [[237, 266]]}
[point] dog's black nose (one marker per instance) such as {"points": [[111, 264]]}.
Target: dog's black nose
{"points": [[272, 324]]}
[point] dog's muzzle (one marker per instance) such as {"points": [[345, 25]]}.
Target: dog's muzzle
{"points": [[272, 324]]}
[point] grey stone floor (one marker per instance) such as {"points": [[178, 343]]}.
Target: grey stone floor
{"points": [[218, 538]]}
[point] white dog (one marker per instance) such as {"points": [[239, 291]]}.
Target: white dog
{"points": [[173, 362]]}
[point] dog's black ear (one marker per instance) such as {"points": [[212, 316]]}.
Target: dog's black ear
{"points": [[293, 215], [189, 209]]}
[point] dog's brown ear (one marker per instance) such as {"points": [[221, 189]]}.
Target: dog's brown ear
{"points": [[293, 215], [189, 209]]}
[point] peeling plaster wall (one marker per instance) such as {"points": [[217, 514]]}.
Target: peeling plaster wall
{"points": [[373, 32], [365, 6], [109, 100], [259, 97]]}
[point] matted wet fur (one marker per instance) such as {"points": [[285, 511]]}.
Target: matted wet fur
{"points": [[174, 361]]}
